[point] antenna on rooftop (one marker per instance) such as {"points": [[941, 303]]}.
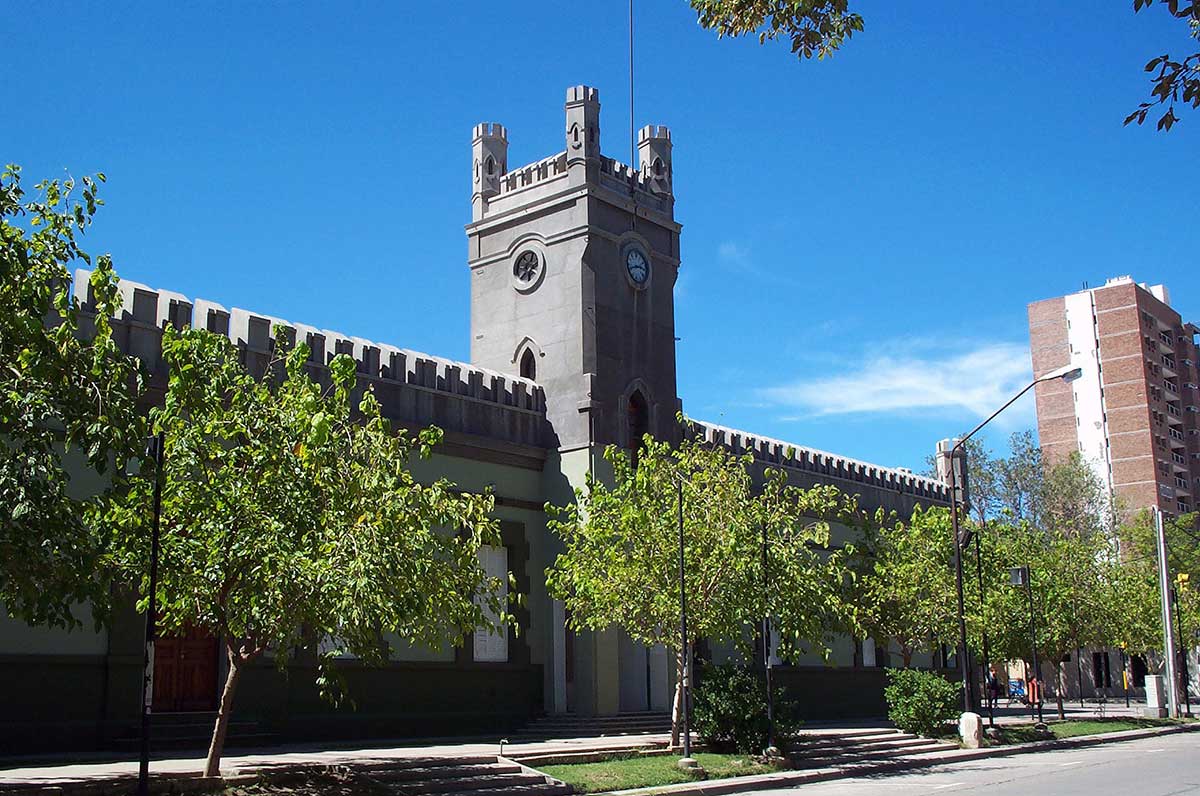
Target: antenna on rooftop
{"points": [[632, 130]]}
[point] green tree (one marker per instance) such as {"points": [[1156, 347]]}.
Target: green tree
{"points": [[1136, 581], [1020, 477], [821, 27], [291, 522], [907, 588], [815, 27], [620, 568], [1072, 594], [68, 420]]}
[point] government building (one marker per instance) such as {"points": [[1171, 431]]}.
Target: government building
{"points": [[573, 262]]}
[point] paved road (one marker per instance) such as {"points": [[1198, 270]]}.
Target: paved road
{"points": [[1162, 766]]}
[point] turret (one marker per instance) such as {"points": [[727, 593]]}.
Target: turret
{"points": [[489, 151], [654, 157], [583, 124]]}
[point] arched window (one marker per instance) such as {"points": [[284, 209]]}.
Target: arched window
{"points": [[528, 365], [639, 423], [658, 167], [491, 166]]}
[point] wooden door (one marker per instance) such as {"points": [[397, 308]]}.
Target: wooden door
{"points": [[185, 672]]}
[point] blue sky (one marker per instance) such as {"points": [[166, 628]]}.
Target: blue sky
{"points": [[861, 235]]}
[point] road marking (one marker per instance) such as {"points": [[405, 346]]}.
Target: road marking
{"points": [[948, 785], [1071, 763]]}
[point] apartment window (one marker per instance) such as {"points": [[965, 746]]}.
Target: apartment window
{"points": [[1183, 507]]}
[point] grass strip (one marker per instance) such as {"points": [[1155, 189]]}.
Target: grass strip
{"points": [[1071, 728], [650, 771]]}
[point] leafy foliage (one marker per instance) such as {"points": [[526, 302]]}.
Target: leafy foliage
{"points": [[1136, 587], [920, 702], [67, 403], [730, 710], [815, 27], [1172, 80], [907, 586], [291, 523], [620, 560]]}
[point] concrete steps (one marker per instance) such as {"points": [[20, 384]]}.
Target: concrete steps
{"points": [[477, 775], [179, 731], [570, 726], [859, 746]]}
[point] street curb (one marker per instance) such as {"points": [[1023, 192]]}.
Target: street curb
{"points": [[789, 778]]}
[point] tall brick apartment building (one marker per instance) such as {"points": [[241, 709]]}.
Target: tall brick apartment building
{"points": [[1135, 412]]}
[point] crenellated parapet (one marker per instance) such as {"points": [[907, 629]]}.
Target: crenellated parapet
{"points": [[887, 487], [534, 174], [413, 388], [498, 190]]}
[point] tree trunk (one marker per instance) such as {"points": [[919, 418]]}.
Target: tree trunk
{"points": [[1058, 692], [677, 703], [212, 766], [906, 653]]}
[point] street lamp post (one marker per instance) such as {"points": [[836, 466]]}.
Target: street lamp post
{"points": [[1024, 576], [986, 652], [1183, 662], [683, 635], [1066, 373], [766, 635], [154, 449]]}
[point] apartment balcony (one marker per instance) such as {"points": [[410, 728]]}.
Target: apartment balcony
{"points": [[1176, 438], [1166, 340]]}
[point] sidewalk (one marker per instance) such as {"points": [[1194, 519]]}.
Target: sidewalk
{"points": [[241, 762], [64, 769]]}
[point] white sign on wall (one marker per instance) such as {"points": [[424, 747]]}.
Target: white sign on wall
{"points": [[492, 646]]}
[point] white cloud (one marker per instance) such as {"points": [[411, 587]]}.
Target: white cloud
{"points": [[735, 255], [978, 382]]}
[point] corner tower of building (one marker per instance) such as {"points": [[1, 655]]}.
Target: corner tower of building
{"points": [[573, 264]]}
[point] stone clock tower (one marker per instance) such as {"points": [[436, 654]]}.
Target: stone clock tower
{"points": [[573, 266]]}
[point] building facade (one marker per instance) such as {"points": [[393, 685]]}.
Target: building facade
{"points": [[1134, 415], [573, 262]]}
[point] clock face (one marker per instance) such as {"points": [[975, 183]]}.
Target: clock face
{"points": [[638, 266]]}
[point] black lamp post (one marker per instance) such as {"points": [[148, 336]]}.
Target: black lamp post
{"points": [[154, 451], [766, 635], [986, 652], [1023, 576], [683, 633], [1187, 699], [1067, 373]]}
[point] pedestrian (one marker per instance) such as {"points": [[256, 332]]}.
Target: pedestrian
{"points": [[993, 688]]}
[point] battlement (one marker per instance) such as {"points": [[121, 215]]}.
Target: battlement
{"points": [[412, 387], [654, 131], [582, 94], [489, 130], [821, 465], [534, 174]]}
